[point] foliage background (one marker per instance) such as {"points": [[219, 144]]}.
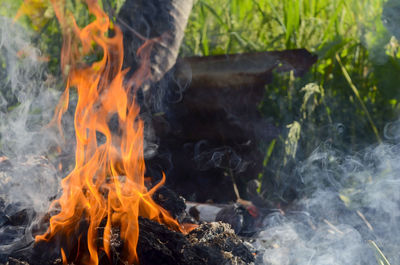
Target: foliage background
{"points": [[348, 98], [345, 101]]}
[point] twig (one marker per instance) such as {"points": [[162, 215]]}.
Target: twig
{"points": [[333, 227], [365, 220], [135, 32], [235, 188]]}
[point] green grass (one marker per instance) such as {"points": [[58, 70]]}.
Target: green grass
{"points": [[346, 99], [357, 68], [226, 26]]}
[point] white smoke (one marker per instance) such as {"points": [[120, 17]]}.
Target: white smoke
{"points": [[349, 202], [27, 99]]}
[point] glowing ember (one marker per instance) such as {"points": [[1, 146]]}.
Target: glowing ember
{"points": [[107, 183]]}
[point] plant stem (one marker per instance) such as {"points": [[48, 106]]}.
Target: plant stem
{"points": [[357, 94]]}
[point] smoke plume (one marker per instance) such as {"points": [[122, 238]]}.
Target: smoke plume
{"points": [[28, 180], [350, 207]]}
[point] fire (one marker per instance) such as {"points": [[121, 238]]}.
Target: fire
{"points": [[107, 184]]}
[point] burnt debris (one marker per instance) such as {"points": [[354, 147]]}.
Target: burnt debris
{"points": [[213, 244]]}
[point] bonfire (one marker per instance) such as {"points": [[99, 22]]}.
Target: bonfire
{"points": [[129, 147]]}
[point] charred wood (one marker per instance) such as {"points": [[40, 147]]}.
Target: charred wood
{"points": [[213, 244], [243, 216], [163, 21], [223, 80]]}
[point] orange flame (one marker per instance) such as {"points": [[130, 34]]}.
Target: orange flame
{"points": [[107, 182]]}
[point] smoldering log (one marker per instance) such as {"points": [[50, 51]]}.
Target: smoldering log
{"points": [[163, 21], [212, 128], [218, 81], [231, 86]]}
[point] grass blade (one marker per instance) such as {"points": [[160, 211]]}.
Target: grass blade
{"points": [[380, 257], [357, 94]]}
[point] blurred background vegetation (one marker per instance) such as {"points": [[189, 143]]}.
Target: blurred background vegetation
{"points": [[345, 101], [348, 97]]}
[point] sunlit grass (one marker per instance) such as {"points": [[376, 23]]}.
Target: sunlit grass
{"points": [[225, 26], [356, 73], [350, 30]]}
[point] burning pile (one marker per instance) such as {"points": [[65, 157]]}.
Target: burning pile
{"points": [[100, 213], [346, 208], [107, 182], [108, 212]]}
